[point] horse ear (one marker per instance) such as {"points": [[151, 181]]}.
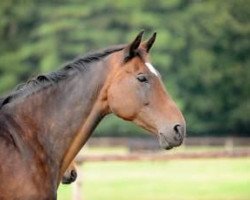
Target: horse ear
{"points": [[149, 43], [130, 51]]}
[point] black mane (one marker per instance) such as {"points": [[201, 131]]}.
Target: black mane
{"points": [[79, 64]]}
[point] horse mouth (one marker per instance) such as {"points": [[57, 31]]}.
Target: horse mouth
{"points": [[67, 181], [164, 142]]}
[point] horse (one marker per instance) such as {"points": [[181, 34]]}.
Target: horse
{"points": [[70, 174], [45, 122]]}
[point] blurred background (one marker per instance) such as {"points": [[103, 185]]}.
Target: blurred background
{"points": [[203, 54]]}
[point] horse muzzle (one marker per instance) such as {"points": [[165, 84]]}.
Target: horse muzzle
{"points": [[172, 137], [71, 177]]}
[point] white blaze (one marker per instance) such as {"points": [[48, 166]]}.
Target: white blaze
{"points": [[152, 69]]}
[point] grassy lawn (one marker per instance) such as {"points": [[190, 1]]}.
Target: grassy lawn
{"points": [[192, 179]]}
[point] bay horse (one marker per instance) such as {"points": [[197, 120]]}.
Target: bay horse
{"points": [[45, 122]]}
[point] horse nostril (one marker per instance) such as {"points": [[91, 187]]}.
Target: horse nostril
{"points": [[179, 130], [176, 128], [179, 133], [73, 174]]}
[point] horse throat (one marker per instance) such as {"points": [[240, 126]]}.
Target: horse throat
{"points": [[82, 136]]}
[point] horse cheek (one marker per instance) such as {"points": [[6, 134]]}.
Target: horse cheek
{"points": [[122, 103]]}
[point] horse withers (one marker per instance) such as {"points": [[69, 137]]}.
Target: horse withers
{"points": [[45, 122]]}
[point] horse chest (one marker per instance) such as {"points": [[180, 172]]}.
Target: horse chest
{"points": [[22, 180]]}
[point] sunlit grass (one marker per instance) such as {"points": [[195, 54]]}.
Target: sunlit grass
{"points": [[193, 179]]}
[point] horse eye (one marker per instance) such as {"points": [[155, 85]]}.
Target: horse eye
{"points": [[142, 78]]}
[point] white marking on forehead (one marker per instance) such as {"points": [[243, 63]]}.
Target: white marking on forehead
{"points": [[152, 69]]}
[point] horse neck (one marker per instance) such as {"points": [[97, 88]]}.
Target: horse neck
{"points": [[61, 118]]}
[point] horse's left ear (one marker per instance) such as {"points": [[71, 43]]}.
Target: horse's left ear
{"points": [[149, 43], [131, 49]]}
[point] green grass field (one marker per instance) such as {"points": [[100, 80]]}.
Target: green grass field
{"points": [[191, 179]]}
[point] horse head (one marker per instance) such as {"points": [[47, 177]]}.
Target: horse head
{"points": [[136, 93]]}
